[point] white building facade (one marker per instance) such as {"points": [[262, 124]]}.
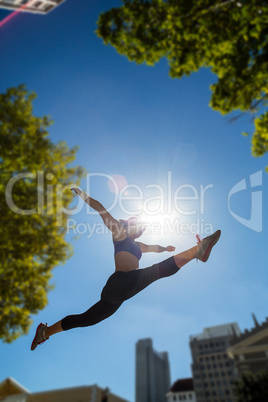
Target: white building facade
{"points": [[213, 370]]}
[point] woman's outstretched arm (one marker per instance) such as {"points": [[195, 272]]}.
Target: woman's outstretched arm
{"points": [[112, 224], [145, 248]]}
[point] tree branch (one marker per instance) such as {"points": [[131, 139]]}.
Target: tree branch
{"points": [[253, 107], [213, 8], [233, 119]]}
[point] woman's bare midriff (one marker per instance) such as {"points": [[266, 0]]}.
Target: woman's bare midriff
{"points": [[125, 261]]}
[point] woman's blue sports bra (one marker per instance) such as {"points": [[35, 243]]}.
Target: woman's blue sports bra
{"points": [[127, 245]]}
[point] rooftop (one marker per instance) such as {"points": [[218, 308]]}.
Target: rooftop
{"points": [[247, 333], [182, 385], [217, 331]]}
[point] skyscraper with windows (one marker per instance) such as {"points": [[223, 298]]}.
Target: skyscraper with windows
{"points": [[32, 6], [152, 373], [213, 370]]}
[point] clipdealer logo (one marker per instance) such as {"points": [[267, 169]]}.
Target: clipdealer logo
{"points": [[185, 200], [255, 220]]}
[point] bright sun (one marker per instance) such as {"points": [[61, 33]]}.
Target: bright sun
{"points": [[159, 222]]}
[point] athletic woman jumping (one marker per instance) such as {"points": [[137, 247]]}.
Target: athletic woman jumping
{"points": [[127, 280]]}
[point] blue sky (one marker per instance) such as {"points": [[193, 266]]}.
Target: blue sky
{"points": [[135, 121]]}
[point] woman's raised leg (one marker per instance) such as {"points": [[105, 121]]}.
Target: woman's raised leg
{"points": [[95, 314], [135, 281]]}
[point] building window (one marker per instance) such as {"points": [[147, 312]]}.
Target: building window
{"points": [[174, 398], [190, 396]]}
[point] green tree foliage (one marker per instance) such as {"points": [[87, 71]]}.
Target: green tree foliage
{"points": [[33, 172], [252, 388], [230, 37]]}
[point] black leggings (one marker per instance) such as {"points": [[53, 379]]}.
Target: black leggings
{"points": [[120, 287]]}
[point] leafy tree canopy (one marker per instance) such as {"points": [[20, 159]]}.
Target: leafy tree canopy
{"points": [[252, 388], [33, 173], [230, 37]]}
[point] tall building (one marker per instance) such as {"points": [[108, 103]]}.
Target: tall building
{"points": [[32, 6], [12, 391], [213, 370], [152, 373], [182, 390], [250, 349]]}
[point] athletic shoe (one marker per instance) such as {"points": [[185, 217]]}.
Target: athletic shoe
{"points": [[205, 245], [39, 336]]}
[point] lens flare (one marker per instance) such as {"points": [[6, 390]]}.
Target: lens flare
{"points": [[116, 183], [14, 13]]}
